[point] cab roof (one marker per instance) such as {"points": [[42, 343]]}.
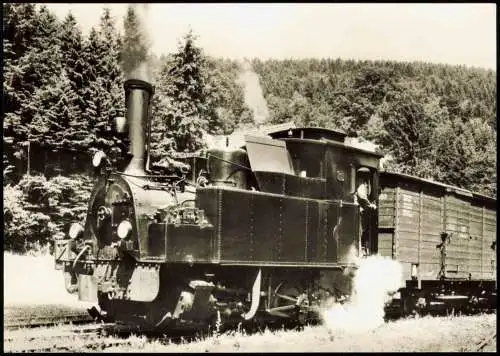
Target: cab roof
{"points": [[312, 133]]}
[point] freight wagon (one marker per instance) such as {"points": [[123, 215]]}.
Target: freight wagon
{"points": [[444, 237]]}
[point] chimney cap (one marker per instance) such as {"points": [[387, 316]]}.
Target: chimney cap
{"points": [[139, 84]]}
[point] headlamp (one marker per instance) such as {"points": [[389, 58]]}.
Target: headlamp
{"points": [[75, 231], [98, 158], [124, 229]]}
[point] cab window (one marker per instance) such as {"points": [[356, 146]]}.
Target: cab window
{"points": [[307, 159]]}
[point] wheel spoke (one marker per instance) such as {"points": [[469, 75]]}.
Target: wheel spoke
{"points": [[282, 296], [284, 308]]}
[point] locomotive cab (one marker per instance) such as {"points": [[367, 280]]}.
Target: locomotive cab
{"points": [[323, 154]]}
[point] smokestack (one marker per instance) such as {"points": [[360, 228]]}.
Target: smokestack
{"points": [[138, 94]]}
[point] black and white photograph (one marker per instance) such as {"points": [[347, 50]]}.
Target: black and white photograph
{"points": [[249, 177]]}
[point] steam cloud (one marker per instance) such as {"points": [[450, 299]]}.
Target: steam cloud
{"points": [[136, 48], [375, 278], [254, 97]]}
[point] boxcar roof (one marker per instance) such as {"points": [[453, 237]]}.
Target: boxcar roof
{"points": [[447, 187]]}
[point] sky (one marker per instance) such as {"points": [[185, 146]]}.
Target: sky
{"points": [[433, 32]]}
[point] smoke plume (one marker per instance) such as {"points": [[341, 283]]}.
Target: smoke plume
{"points": [[375, 278], [254, 97], [135, 59]]}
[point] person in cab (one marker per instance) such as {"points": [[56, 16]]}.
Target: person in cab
{"points": [[366, 207]]}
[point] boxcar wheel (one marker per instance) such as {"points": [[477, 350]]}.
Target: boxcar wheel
{"points": [[407, 305]]}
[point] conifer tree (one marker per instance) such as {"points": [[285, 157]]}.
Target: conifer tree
{"points": [[20, 22], [56, 119], [71, 42], [183, 110], [90, 92], [39, 62], [112, 97]]}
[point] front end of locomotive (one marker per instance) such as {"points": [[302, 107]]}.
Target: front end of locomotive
{"points": [[100, 260], [118, 257], [97, 256]]}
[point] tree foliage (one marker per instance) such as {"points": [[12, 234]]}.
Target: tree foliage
{"points": [[33, 58], [436, 121], [62, 89], [36, 209], [195, 95]]}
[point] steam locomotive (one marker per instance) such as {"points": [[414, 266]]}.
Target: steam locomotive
{"points": [[266, 231]]}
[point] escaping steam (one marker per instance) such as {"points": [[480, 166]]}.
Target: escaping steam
{"points": [[375, 278], [254, 97], [136, 47]]}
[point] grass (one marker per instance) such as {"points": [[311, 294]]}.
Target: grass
{"points": [[429, 334], [33, 287]]}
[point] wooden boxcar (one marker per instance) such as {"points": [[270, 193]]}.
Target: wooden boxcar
{"points": [[438, 232]]}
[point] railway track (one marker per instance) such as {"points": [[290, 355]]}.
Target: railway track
{"points": [[87, 337], [40, 321], [93, 345], [70, 337]]}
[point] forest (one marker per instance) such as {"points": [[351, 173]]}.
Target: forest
{"points": [[62, 90]]}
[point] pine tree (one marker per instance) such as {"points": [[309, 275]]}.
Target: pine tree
{"points": [[91, 91], [38, 63], [19, 26], [71, 42], [185, 102], [112, 101], [91, 53], [56, 119], [19, 22]]}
